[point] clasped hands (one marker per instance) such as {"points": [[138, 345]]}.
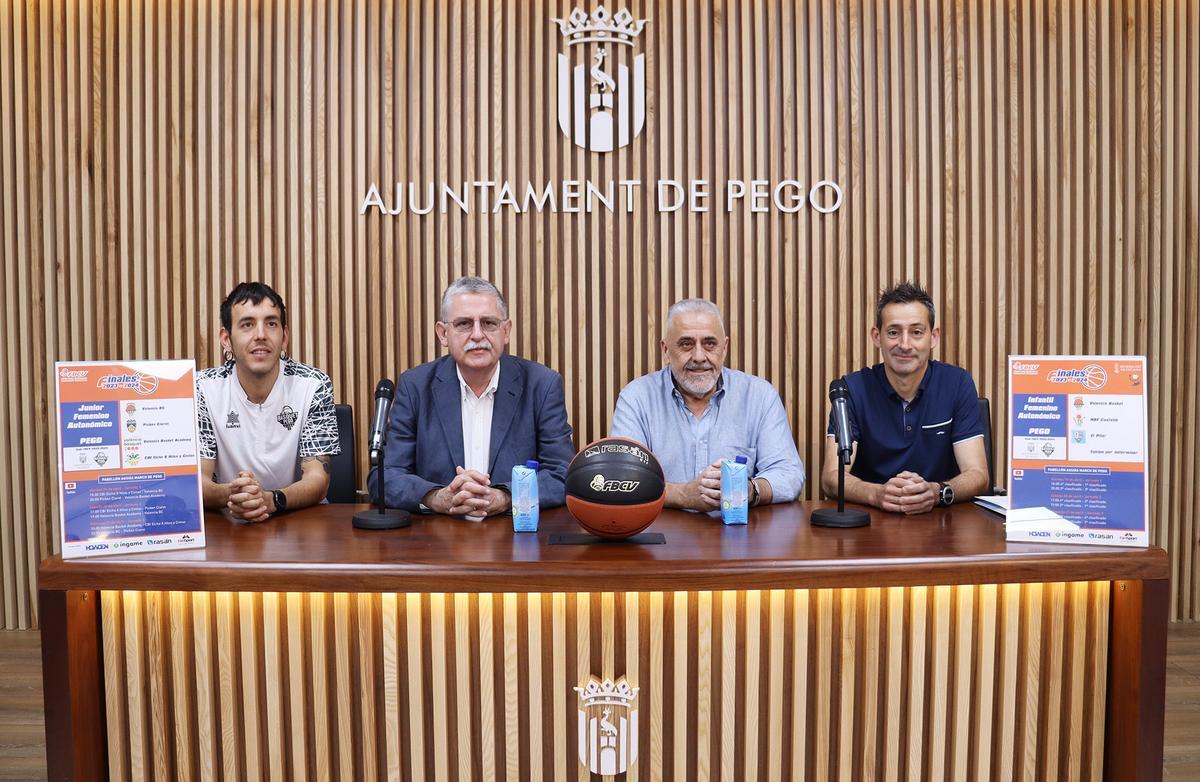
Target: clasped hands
{"points": [[247, 500], [469, 494], [907, 493], [704, 492]]}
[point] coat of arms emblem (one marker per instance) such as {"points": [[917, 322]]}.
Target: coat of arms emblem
{"points": [[601, 107], [607, 725]]}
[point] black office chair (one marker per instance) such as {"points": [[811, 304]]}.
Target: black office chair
{"points": [[343, 478], [985, 415]]}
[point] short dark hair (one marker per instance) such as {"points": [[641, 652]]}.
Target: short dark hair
{"points": [[253, 292], [903, 293]]}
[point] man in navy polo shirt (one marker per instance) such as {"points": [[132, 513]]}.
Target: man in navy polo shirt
{"points": [[918, 438]]}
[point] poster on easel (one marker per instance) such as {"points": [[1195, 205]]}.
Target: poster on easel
{"points": [[1078, 449], [128, 457]]}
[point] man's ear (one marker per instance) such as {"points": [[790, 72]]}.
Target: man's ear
{"points": [[439, 328]]}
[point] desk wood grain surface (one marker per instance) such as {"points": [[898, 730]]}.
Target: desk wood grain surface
{"points": [[318, 550]]}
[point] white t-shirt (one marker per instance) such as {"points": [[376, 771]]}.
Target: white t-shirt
{"points": [[296, 421]]}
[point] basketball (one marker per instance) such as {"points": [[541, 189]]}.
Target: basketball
{"points": [[615, 487]]}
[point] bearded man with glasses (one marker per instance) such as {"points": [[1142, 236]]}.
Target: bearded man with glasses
{"points": [[461, 422]]}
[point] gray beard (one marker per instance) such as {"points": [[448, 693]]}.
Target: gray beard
{"points": [[691, 389]]}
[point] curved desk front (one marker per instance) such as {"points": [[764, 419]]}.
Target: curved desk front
{"points": [[917, 648]]}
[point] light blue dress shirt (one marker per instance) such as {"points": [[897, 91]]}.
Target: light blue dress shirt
{"points": [[744, 417]]}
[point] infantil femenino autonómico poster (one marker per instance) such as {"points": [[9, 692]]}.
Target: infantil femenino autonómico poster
{"points": [[1079, 446]]}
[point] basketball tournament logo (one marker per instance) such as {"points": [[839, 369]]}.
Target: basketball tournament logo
{"points": [[1092, 377], [601, 104], [138, 381], [607, 725]]}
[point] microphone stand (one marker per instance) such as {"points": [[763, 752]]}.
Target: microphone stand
{"points": [[383, 517], [840, 518]]}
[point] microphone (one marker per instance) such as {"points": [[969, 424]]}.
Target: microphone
{"points": [[839, 395], [384, 393], [841, 517], [384, 517]]}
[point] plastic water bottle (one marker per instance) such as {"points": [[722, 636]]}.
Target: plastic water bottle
{"points": [[525, 497], [735, 478]]}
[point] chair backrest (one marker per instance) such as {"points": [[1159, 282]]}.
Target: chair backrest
{"points": [[985, 415], [343, 478]]}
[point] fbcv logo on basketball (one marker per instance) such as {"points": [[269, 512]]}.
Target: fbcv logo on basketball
{"points": [[600, 483]]}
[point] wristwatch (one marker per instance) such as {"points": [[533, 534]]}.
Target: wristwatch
{"points": [[945, 494], [280, 500]]}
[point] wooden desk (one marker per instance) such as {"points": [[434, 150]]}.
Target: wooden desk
{"points": [[923, 645]]}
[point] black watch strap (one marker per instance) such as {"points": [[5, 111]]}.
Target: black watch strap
{"points": [[280, 501], [945, 494]]}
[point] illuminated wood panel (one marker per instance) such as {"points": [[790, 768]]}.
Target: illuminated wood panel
{"points": [[962, 682], [1035, 163]]}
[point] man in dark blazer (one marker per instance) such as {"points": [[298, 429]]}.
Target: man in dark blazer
{"points": [[461, 422]]}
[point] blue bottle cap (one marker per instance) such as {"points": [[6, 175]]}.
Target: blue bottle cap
{"points": [[740, 459], [532, 464]]}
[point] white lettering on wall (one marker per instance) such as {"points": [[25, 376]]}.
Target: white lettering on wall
{"points": [[574, 196]]}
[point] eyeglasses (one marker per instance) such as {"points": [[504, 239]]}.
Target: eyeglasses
{"points": [[467, 325]]}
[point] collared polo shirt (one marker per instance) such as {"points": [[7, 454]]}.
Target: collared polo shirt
{"points": [[918, 436]]}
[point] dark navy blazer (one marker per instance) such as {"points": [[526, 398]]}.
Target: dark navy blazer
{"points": [[425, 438]]}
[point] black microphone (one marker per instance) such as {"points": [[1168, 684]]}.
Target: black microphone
{"points": [[384, 393], [839, 395], [841, 517], [383, 517]]}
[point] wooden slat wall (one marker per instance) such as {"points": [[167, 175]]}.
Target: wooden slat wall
{"points": [[1036, 163], [968, 682]]}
